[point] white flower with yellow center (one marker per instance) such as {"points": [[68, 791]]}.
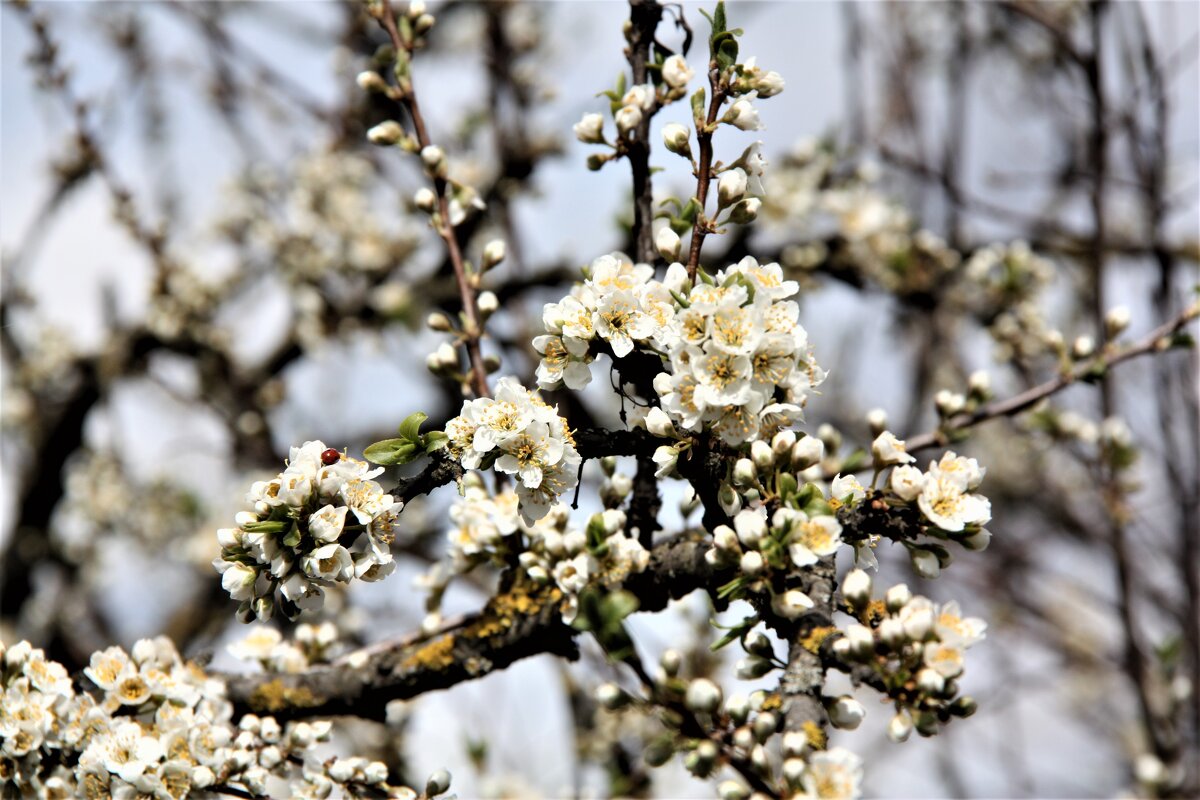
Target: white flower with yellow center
{"points": [[705, 297], [767, 279], [564, 360], [678, 396], [619, 320], [966, 471], [575, 319], [772, 362], [331, 562], [833, 774], [536, 502], [953, 628], [888, 450], [724, 378], [907, 482], [736, 329], [945, 503], [736, 424], [326, 524], [529, 452], [944, 658], [809, 539]]}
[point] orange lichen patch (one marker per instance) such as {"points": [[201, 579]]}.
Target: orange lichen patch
{"points": [[436, 655], [874, 613], [275, 696], [812, 642], [772, 702], [503, 611], [814, 734]]}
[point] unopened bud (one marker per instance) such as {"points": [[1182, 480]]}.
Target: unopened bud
{"points": [[900, 728], [762, 455], [930, 682], [703, 696], [731, 186], [1083, 347], [745, 211], [670, 661], [891, 633], [425, 199], [752, 667], [782, 443], [438, 783], [897, 597], [737, 706], [439, 322], [856, 588], [676, 138], [733, 790], [807, 452], [926, 564], [752, 563], [877, 419], [371, 81], [1116, 321], [434, 159], [949, 403], [386, 133], [846, 713], [979, 383], [423, 23], [668, 243], [764, 725], [744, 472], [493, 254], [611, 696]]}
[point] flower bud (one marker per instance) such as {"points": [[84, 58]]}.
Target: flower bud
{"points": [[900, 728], [1083, 347], [793, 770], [438, 321], [752, 667], [891, 633], [877, 419], [737, 706], [590, 129], [752, 563], [611, 696], [487, 303], [897, 597], [658, 423], [861, 641], [919, 624], [703, 696], [434, 159], [768, 84], [764, 726], [925, 563], [677, 139], [493, 253], [807, 452], [978, 541], [675, 72], [979, 383], [762, 455], [949, 403], [830, 436], [783, 442], [729, 499], [930, 682], [963, 706], [668, 243], [425, 199], [670, 661], [846, 713], [658, 752], [438, 783], [856, 588], [597, 160], [732, 790], [746, 211], [1116, 321], [371, 81], [791, 604], [725, 539], [386, 133], [731, 186], [744, 472], [423, 23], [743, 115], [628, 118]]}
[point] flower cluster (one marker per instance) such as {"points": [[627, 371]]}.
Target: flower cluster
{"points": [[550, 549], [313, 644], [153, 726], [945, 493], [793, 540], [736, 359], [909, 636], [321, 522], [518, 434]]}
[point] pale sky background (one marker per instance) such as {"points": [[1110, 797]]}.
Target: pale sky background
{"points": [[84, 252]]}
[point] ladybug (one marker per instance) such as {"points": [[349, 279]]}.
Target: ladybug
{"points": [[330, 457]]}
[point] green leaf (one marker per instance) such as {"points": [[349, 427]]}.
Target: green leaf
{"points": [[621, 85], [410, 428], [293, 536], [435, 440], [718, 18], [391, 451], [618, 605], [727, 52]]}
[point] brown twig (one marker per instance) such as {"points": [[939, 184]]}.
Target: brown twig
{"points": [[407, 97], [704, 137], [1154, 341]]}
